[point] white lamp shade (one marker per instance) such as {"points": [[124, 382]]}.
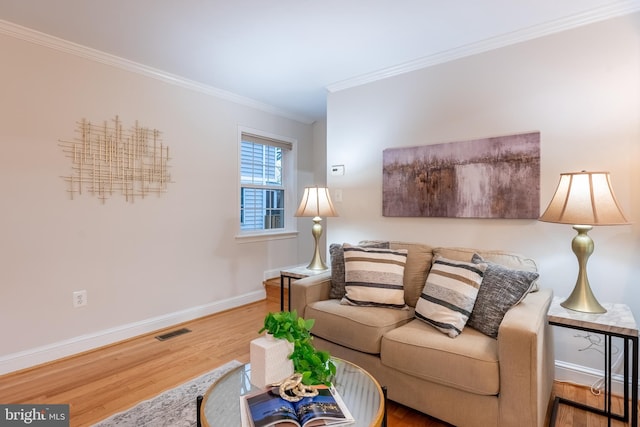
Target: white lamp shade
{"points": [[584, 198], [316, 202]]}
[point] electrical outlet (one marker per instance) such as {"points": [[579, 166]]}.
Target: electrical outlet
{"points": [[79, 298]]}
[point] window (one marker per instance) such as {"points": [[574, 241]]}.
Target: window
{"points": [[264, 170]]}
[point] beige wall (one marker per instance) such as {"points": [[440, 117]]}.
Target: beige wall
{"points": [[579, 88], [146, 264]]}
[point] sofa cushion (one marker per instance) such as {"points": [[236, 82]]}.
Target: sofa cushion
{"points": [[374, 277], [508, 259], [358, 328], [501, 289], [419, 259], [337, 264], [469, 363], [450, 294]]}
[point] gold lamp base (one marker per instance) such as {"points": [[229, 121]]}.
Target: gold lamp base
{"points": [[316, 262], [582, 298]]}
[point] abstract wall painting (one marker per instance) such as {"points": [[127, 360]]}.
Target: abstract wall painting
{"points": [[109, 159], [495, 177]]}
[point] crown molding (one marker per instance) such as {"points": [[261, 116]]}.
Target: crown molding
{"points": [[620, 8], [56, 43]]}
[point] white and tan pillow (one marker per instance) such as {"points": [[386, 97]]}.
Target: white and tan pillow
{"points": [[337, 264], [374, 276], [449, 294]]}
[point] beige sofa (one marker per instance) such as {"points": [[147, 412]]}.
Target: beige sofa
{"points": [[470, 380]]}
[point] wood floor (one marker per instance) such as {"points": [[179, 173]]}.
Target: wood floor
{"points": [[99, 383]]}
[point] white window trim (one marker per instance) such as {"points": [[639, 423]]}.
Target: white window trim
{"points": [[290, 230]]}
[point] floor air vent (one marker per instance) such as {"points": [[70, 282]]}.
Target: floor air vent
{"points": [[172, 334]]}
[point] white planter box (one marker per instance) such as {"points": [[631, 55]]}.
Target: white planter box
{"points": [[270, 361]]}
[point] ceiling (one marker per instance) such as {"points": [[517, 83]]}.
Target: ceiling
{"points": [[286, 54]]}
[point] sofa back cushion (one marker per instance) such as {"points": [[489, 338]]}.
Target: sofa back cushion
{"points": [[507, 259], [419, 258]]}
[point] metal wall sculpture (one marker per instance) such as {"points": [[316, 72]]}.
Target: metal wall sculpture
{"points": [[483, 178], [107, 159]]}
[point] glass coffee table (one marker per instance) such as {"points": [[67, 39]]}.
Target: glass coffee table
{"points": [[359, 390]]}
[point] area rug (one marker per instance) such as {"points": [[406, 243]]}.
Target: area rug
{"points": [[173, 408]]}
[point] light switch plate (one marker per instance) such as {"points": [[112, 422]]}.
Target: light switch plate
{"points": [[337, 170]]}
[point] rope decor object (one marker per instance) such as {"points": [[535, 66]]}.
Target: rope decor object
{"points": [[291, 388]]}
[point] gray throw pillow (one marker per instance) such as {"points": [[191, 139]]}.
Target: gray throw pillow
{"points": [[337, 265], [337, 271], [501, 289]]}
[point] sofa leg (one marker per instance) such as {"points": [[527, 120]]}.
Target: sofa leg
{"points": [[384, 416]]}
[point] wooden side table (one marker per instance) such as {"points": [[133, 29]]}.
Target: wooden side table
{"points": [[298, 272], [618, 322]]}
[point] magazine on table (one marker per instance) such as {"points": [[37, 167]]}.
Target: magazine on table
{"points": [[267, 408]]}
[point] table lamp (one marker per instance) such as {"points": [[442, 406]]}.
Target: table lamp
{"points": [[316, 203], [584, 199]]}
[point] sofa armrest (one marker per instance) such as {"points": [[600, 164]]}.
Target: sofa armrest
{"points": [[525, 351], [309, 289]]}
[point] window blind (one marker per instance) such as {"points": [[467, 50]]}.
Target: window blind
{"points": [[266, 141]]}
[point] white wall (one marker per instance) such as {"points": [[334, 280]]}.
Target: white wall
{"points": [[147, 264], [579, 88]]}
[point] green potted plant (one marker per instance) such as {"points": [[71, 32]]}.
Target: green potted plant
{"points": [[314, 365]]}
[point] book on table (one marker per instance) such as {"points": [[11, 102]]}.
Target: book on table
{"points": [[267, 408]]}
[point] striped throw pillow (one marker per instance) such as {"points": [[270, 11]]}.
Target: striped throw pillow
{"points": [[450, 294], [337, 265], [374, 277]]}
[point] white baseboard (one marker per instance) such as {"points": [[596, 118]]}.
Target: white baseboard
{"points": [[582, 375], [36, 356]]}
